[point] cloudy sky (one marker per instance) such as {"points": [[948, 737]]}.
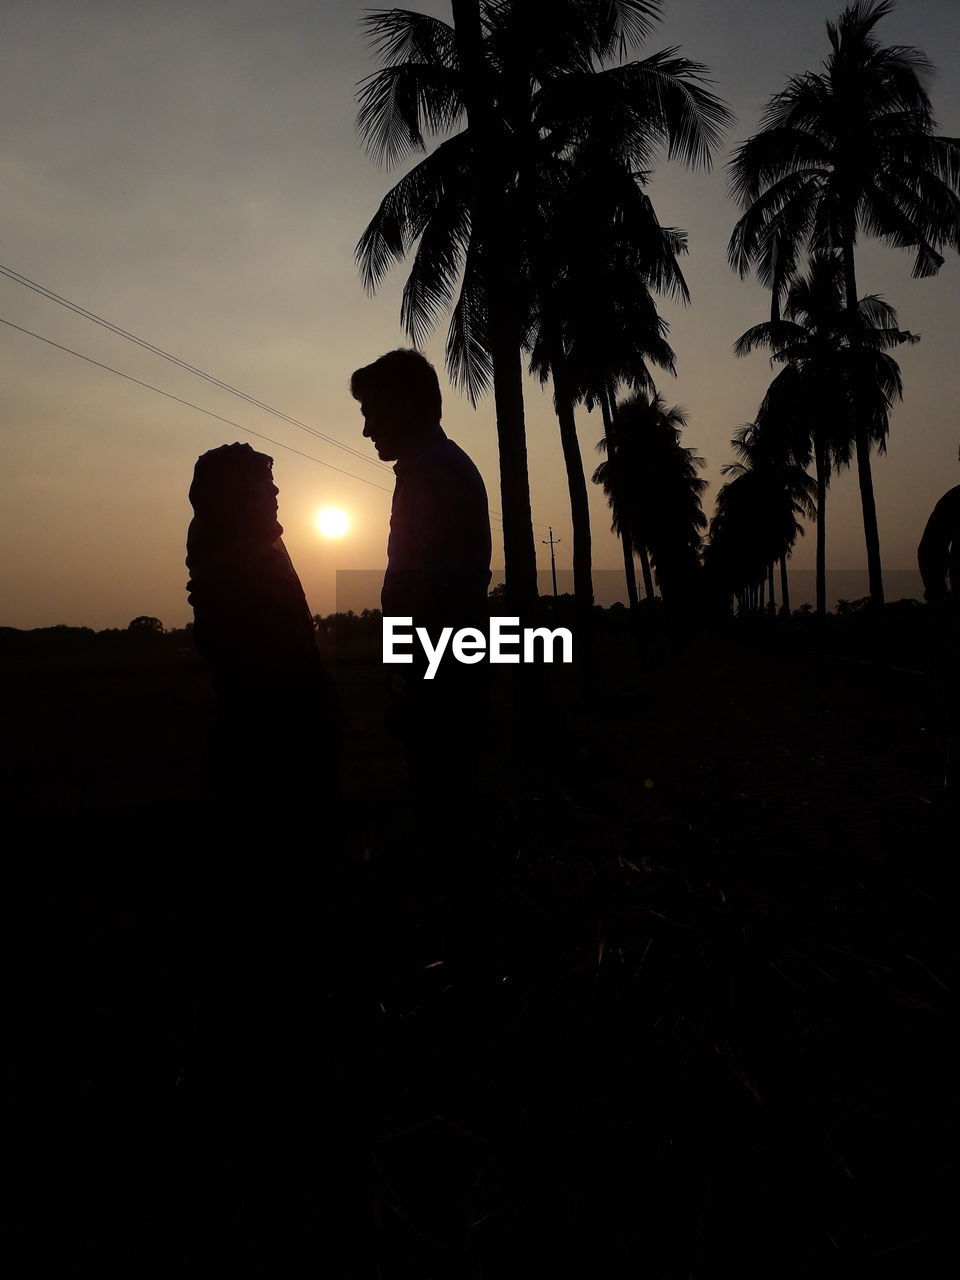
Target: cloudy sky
{"points": [[190, 170]]}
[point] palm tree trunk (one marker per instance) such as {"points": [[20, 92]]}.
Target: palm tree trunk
{"points": [[645, 570], [576, 480], [871, 531], [776, 286], [629, 569], [630, 573], [820, 459], [784, 589], [493, 227], [771, 602]]}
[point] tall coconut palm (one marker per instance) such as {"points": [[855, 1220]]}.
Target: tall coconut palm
{"points": [[490, 177], [529, 72], [735, 558], [593, 320], [783, 494], [652, 484], [850, 149], [837, 386], [615, 331]]}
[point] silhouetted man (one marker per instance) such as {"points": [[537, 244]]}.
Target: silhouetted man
{"points": [[438, 552], [939, 559], [438, 571]]}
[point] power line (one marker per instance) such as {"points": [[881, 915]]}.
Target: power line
{"points": [[189, 404], [540, 524], [17, 278]]}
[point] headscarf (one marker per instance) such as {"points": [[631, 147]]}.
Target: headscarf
{"points": [[249, 607]]}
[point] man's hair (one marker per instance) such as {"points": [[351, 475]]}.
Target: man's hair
{"points": [[403, 375]]}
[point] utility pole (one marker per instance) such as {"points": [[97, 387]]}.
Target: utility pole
{"points": [[553, 542]]}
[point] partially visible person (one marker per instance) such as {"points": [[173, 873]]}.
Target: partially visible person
{"points": [[938, 556], [438, 572], [270, 832]]}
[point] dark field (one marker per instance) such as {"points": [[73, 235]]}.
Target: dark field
{"points": [[721, 1050]]}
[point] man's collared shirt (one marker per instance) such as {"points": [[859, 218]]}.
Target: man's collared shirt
{"points": [[438, 553]]}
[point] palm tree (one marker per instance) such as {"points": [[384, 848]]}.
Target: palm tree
{"points": [[734, 558], [593, 321], [850, 149], [837, 386], [524, 74], [652, 484], [489, 186], [781, 492]]}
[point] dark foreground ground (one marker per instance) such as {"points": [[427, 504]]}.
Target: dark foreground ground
{"points": [[721, 1050]]}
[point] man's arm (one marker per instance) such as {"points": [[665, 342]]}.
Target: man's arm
{"points": [[933, 553]]}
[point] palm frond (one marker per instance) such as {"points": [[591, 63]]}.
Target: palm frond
{"points": [[403, 35], [468, 351], [669, 98], [407, 208], [436, 267], [399, 103], [773, 335]]}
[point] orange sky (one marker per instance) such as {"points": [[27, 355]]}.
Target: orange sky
{"points": [[191, 172]]}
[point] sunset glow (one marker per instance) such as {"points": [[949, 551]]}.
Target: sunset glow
{"points": [[332, 522]]}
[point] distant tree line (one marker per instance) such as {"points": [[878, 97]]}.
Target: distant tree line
{"points": [[145, 635], [343, 634]]}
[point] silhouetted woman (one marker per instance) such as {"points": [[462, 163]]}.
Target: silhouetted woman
{"points": [[275, 745], [270, 835]]}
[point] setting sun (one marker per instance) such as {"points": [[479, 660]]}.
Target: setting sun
{"points": [[332, 523]]}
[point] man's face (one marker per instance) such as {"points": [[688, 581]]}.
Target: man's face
{"points": [[384, 426]]}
